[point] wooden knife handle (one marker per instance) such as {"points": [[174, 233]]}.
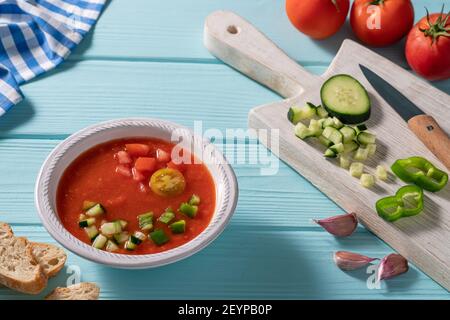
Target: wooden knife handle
{"points": [[434, 138]]}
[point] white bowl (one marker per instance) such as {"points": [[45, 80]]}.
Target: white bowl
{"points": [[61, 157]]}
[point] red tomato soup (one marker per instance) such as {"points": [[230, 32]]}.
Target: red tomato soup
{"points": [[105, 196]]}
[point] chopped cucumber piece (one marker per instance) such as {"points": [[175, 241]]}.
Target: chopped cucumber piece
{"points": [[348, 134], [330, 153], [88, 204], [361, 154], [146, 221], [332, 134], [366, 138], [166, 217], [86, 222], [159, 237], [315, 128], [326, 142], [350, 146], [337, 148], [121, 237], [96, 210], [328, 122], [137, 237], [345, 98], [111, 228], [188, 210], [367, 180], [82, 217], [344, 161], [321, 112], [361, 127], [356, 169], [100, 241], [296, 114], [382, 173], [111, 246], [337, 123], [194, 200], [130, 246], [302, 131], [372, 147], [92, 232], [178, 226]]}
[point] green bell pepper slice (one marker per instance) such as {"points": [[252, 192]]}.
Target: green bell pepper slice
{"points": [[408, 201], [421, 172]]}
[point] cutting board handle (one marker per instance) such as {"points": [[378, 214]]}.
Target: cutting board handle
{"points": [[238, 43]]}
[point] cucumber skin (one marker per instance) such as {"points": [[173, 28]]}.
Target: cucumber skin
{"points": [[346, 118]]}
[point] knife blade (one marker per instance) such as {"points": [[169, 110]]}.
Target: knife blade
{"points": [[401, 104], [422, 125]]}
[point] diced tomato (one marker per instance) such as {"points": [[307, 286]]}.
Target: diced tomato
{"points": [[137, 149], [123, 170], [180, 167], [123, 157], [145, 164], [142, 187], [137, 175], [162, 156]]}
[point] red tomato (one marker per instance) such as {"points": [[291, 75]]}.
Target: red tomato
{"points": [[427, 51], [319, 19], [145, 164], [162, 155], [381, 22], [137, 149], [180, 167]]}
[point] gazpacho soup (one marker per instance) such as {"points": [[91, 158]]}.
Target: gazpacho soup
{"points": [[128, 196]]}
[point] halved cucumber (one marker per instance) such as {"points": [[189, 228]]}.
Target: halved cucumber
{"points": [[345, 98]]}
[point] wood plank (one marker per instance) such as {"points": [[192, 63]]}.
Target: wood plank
{"points": [[269, 264], [263, 200], [156, 30], [92, 91]]}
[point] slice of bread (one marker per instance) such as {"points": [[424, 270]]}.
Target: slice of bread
{"points": [[50, 257], [79, 291], [19, 269]]}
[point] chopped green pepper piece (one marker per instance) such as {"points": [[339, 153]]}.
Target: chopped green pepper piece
{"points": [[194, 200], [421, 172], [408, 201], [178, 226], [167, 216], [159, 237], [188, 210]]}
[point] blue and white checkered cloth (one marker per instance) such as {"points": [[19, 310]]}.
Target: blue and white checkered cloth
{"points": [[36, 36]]}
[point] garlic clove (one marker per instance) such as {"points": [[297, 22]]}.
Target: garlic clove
{"points": [[392, 265], [340, 226], [346, 260]]}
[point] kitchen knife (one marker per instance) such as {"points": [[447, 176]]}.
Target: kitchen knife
{"points": [[424, 126]]}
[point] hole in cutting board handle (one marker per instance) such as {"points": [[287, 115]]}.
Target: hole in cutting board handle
{"points": [[233, 29]]}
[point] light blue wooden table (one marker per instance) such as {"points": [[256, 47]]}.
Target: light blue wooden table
{"points": [[146, 59]]}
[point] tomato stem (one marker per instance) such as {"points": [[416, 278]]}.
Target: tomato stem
{"points": [[377, 2], [438, 28]]}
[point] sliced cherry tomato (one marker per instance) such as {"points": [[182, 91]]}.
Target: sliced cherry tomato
{"points": [[145, 164], [123, 157], [167, 182], [137, 149], [162, 156], [180, 167]]}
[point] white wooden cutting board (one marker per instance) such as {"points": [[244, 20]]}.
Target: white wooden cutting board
{"points": [[424, 239]]}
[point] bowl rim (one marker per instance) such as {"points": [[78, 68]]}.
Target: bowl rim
{"points": [[50, 219]]}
